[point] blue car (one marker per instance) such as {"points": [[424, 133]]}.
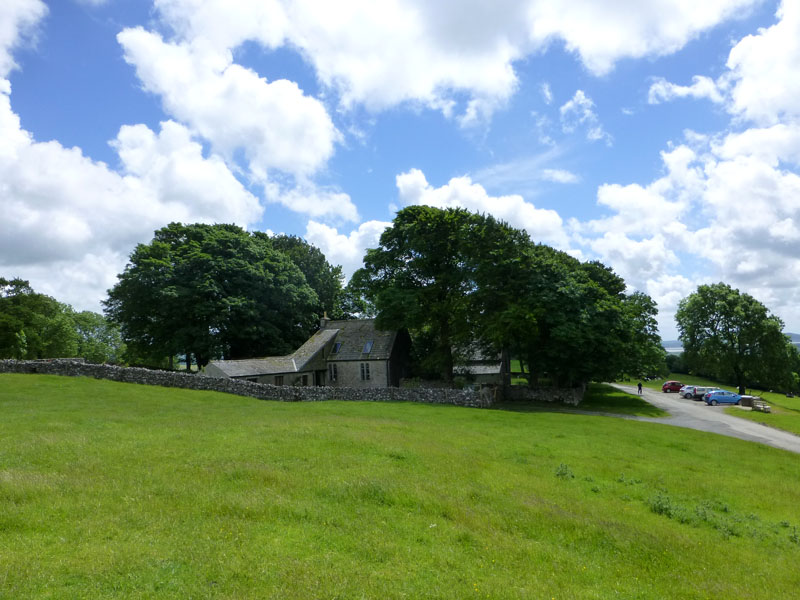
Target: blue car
{"points": [[722, 397]]}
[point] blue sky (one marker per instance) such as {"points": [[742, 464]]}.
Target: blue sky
{"points": [[662, 138]]}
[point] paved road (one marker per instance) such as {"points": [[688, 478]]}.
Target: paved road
{"points": [[697, 415]]}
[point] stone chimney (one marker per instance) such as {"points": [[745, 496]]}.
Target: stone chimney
{"points": [[323, 322]]}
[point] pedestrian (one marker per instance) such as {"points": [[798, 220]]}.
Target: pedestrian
{"points": [[640, 388]]}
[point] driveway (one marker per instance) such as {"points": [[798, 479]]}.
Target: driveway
{"points": [[695, 414]]}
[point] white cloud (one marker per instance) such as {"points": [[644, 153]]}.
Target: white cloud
{"points": [[171, 166], [702, 87], [547, 93], [727, 207], [346, 250], [764, 70], [397, 51], [559, 176], [658, 208], [314, 201], [601, 35], [579, 112], [761, 84], [274, 123], [635, 260], [772, 145], [18, 21], [460, 192], [68, 223]]}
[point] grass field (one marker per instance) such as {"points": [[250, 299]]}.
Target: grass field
{"points": [[112, 490], [785, 412]]}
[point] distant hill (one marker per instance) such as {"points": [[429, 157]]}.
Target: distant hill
{"points": [[675, 346]]}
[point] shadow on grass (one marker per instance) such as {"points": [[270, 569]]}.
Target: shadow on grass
{"points": [[599, 398]]}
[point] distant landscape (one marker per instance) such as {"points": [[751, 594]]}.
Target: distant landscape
{"points": [[675, 346]]}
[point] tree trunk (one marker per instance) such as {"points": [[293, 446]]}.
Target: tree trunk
{"points": [[188, 361], [740, 381]]}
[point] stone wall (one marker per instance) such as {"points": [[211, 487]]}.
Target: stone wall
{"points": [[78, 368], [572, 396]]}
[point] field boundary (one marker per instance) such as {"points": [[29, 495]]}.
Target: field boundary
{"points": [[262, 391]]}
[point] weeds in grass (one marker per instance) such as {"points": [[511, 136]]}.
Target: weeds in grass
{"points": [[564, 472]]}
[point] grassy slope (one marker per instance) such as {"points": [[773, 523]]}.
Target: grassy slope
{"points": [[785, 411], [116, 490]]}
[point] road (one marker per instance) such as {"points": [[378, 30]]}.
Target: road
{"points": [[695, 414]]}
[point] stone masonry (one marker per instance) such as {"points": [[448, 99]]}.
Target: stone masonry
{"points": [[262, 391]]}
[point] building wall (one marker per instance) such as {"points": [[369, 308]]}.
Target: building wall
{"points": [[288, 378], [349, 374]]}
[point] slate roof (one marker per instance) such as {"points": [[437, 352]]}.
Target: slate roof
{"points": [[353, 335], [275, 365]]}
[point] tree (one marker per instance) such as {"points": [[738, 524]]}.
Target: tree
{"points": [[458, 280], [208, 291], [645, 354], [324, 278], [99, 340], [33, 325], [418, 279], [733, 335]]}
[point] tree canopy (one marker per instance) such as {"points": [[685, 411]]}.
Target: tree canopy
{"points": [[212, 290], [732, 335], [461, 281], [35, 326]]}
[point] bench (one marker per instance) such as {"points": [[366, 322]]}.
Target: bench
{"points": [[761, 406]]}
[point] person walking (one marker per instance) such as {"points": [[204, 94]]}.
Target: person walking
{"points": [[640, 388]]}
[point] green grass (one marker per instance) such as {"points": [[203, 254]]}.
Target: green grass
{"points": [[111, 490], [604, 398], [599, 397]]}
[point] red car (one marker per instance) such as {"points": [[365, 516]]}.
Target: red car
{"points": [[671, 386]]}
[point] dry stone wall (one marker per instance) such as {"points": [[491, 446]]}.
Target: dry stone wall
{"points": [[572, 396], [262, 391]]}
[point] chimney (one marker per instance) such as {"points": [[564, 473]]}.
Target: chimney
{"points": [[323, 322]]}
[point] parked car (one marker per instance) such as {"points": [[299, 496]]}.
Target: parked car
{"points": [[722, 397], [687, 391], [699, 391], [671, 386]]}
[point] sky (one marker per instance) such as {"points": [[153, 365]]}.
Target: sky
{"points": [[661, 138]]}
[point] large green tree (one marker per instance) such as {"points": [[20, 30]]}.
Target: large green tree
{"points": [[418, 278], [732, 335], [34, 325], [211, 290], [324, 278], [459, 280]]}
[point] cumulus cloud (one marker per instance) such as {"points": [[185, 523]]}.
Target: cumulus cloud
{"points": [[660, 207], [69, 223], [579, 112], [761, 83], [18, 21], [347, 250], [273, 123], [314, 201], [601, 36], [702, 87], [382, 54], [729, 208], [544, 225], [758, 62], [636, 260]]}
